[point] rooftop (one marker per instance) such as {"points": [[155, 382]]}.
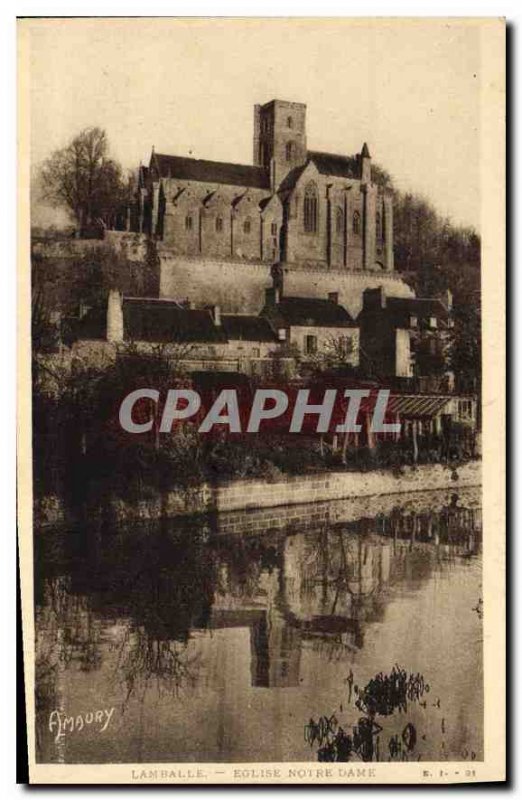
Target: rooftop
{"points": [[164, 321], [247, 327], [194, 169], [313, 312]]}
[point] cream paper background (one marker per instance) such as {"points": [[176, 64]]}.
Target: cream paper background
{"points": [[492, 195]]}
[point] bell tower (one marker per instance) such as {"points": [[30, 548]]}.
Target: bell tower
{"points": [[279, 138]]}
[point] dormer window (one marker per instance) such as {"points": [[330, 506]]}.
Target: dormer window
{"points": [[433, 322], [413, 322]]}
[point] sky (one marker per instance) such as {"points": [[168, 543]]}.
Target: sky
{"points": [[410, 89]]}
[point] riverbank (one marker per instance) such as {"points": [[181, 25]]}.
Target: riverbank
{"points": [[251, 495]]}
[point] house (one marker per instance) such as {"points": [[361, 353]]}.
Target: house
{"points": [[313, 328], [407, 338]]}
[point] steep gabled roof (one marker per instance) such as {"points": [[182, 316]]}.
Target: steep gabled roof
{"points": [[313, 312], [400, 309], [247, 327], [335, 165], [195, 169], [417, 306], [164, 321]]}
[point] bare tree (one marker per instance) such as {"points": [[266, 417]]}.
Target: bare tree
{"points": [[83, 178]]}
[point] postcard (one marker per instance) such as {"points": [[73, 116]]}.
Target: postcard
{"points": [[261, 427]]}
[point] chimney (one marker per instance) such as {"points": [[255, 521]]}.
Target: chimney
{"points": [[447, 299], [115, 317], [333, 297], [215, 312], [374, 298], [272, 296]]}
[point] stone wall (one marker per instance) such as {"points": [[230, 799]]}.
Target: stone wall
{"points": [[239, 286], [306, 501], [236, 286], [310, 282], [249, 496]]}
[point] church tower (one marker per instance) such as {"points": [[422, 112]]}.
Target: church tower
{"points": [[279, 138]]}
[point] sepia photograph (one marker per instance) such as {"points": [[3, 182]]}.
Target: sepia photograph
{"points": [[260, 511]]}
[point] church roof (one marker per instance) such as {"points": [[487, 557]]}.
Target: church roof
{"points": [[338, 166], [195, 169], [313, 312], [150, 320]]}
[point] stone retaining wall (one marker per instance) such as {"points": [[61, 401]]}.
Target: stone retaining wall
{"points": [[290, 499]]}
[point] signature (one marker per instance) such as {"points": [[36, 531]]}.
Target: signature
{"points": [[62, 723]]}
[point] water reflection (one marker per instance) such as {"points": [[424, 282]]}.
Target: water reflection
{"points": [[182, 625]]}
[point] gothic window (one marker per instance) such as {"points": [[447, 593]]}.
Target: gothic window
{"points": [[378, 226], [246, 225], [289, 150], [339, 221], [310, 208], [219, 224], [188, 222], [290, 122], [273, 229], [356, 223]]}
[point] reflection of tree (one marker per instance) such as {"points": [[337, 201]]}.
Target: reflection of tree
{"points": [[143, 656], [66, 630]]}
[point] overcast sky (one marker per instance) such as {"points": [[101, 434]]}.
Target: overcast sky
{"points": [[411, 90]]}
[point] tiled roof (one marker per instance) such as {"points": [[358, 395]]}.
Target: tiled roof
{"points": [[247, 328], [313, 312], [166, 321], [399, 309], [402, 308], [338, 166], [290, 180], [416, 405], [194, 169]]}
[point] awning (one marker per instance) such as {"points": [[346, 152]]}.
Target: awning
{"points": [[416, 405]]}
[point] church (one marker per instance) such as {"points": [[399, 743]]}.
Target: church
{"points": [[293, 206]]}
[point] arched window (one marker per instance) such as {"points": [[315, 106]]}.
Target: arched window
{"points": [[246, 225], [290, 122], [339, 221], [219, 224], [310, 208], [356, 223], [188, 222], [378, 226], [289, 150]]}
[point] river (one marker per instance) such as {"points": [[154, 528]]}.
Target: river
{"points": [[211, 640]]}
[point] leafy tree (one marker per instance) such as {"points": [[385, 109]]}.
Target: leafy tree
{"points": [[82, 178]]}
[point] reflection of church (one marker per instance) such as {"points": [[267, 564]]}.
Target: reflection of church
{"points": [[324, 587]]}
